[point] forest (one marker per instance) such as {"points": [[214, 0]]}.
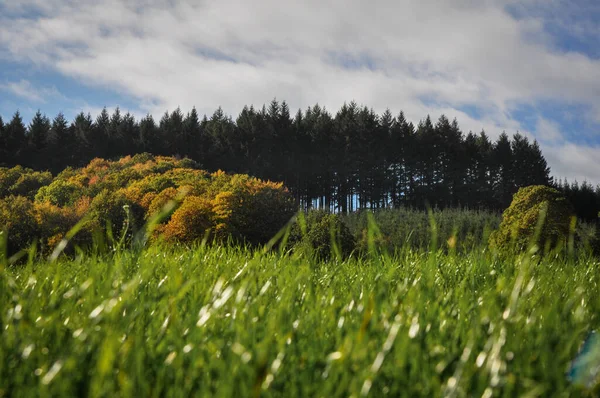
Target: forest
{"points": [[353, 159]]}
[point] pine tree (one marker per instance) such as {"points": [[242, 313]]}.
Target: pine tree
{"points": [[82, 130], [15, 140], [59, 144], [100, 139], [39, 129], [148, 139], [3, 151], [129, 131], [504, 181], [192, 136], [114, 133]]}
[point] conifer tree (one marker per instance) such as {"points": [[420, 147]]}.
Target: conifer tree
{"points": [[82, 130], [39, 130], [59, 144], [15, 140], [3, 151]]}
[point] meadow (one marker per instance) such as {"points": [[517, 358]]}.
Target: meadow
{"points": [[219, 320], [149, 277]]}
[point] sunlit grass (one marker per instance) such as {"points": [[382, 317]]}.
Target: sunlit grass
{"points": [[235, 322]]}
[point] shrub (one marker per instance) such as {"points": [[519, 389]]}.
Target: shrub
{"points": [[111, 208], [190, 221], [238, 206], [321, 228], [29, 184], [8, 177], [520, 220], [60, 193], [54, 222], [17, 219], [160, 200], [252, 210]]}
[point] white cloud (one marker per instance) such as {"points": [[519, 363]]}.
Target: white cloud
{"points": [[549, 131], [26, 90], [576, 162], [456, 54]]}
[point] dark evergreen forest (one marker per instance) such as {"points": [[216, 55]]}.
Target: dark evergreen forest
{"points": [[353, 159]]}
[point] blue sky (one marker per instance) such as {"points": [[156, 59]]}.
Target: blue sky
{"points": [[531, 66]]}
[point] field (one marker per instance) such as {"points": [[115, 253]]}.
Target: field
{"points": [[227, 321]]}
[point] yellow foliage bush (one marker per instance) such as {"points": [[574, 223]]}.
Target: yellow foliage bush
{"points": [[106, 192], [191, 220]]}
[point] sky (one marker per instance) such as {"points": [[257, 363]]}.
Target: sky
{"points": [[529, 66]]}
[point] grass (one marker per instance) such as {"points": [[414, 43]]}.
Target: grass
{"points": [[408, 227], [224, 321]]}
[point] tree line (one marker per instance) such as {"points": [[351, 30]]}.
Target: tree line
{"points": [[353, 159]]}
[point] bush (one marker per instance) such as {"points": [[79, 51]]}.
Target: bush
{"points": [[160, 200], [60, 193], [29, 184], [251, 210], [8, 177], [321, 228], [54, 222], [112, 208], [247, 209], [190, 221], [19, 181], [17, 219], [520, 220]]}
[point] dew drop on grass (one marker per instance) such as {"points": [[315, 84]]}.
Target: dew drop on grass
{"points": [[366, 387], [162, 281], [170, 358], [480, 359], [97, 311], [48, 377], [452, 382], [28, 350], [204, 316], [187, 348], [414, 328], [265, 288]]}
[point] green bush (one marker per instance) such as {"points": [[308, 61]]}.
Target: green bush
{"points": [[323, 229], [520, 220], [60, 193], [115, 210], [17, 219], [19, 181], [8, 177], [29, 184]]}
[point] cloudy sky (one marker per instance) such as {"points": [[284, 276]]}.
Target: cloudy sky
{"points": [[531, 66]]}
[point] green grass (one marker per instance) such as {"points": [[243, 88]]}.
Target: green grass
{"points": [[409, 227], [235, 322]]}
